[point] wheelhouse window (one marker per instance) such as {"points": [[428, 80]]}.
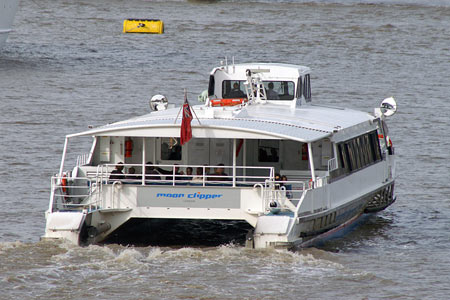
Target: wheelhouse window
{"points": [[275, 90], [268, 150], [233, 89], [211, 85], [170, 149], [279, 90]]}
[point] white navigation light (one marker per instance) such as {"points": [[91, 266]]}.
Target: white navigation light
{"points": [[388, 107], [159, 102]]}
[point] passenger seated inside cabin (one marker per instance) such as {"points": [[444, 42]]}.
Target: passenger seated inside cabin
{"points": [[287, 186], [207, 171], [151, 173], [277, 178], [199, 175], [236, 92], [220, 173], [188, 173], [176, 153], [131, 176], [271, 94], [117, 173], [178, 173]]}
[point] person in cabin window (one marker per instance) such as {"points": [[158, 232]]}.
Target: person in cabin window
{"points": [[151, 173], [277, 181], [117, 173], [199, 175], [207, 171], [176, 153], [271, 94], [219, 174], [169, 174], [236, 91], [287, 186], [131, 175], [189, 171]]}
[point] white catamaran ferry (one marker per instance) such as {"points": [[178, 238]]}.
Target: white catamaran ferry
{"points": [[257, 151]]}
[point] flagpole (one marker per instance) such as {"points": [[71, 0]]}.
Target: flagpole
{"points": [[175, 122], [193, 110]]}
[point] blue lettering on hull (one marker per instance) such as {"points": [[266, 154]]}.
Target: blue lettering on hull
{"points": [[194, 196]]}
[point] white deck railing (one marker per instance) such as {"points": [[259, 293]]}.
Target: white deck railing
{"points": [[332, 164], [163, 176], [82, 159], [72, 194]]}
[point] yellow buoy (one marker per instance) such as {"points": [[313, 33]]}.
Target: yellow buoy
{"points": [[143, 26]]}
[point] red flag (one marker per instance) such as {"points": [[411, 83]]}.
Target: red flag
{"points": [[186, 130]]}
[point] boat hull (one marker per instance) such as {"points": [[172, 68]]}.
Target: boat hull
{"points": [[143, 221]]}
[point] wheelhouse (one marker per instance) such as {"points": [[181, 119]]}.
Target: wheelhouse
{"points": [[282, 84]]}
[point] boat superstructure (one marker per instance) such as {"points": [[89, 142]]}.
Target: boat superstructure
{"points": [[8, 9], [258, 124]]}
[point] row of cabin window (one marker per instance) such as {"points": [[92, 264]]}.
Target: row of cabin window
{"points": [[268, 150], [359, 152]]}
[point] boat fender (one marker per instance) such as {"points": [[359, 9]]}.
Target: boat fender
{"points": [[305, 152], [64, 183]]}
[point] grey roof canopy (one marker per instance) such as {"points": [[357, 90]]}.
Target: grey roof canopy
{"points": [[305, 124]]}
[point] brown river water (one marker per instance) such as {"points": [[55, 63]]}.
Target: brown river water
{"points": [[68, 65]]}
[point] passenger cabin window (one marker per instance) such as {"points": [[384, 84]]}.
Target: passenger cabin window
{"points": [[268, 150], [359, 152], [299, 88], [307, 88], [170, 149]]}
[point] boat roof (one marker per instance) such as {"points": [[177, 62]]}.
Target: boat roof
{"points": [[268, 70], [306, 123]]}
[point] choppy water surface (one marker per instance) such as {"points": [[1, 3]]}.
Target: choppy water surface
{"points": [[67, 65]]}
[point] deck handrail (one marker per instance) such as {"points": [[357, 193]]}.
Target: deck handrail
{"points": [[82, 159], [104, 172], [288, 194], [332, 164], [63, 197]]}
